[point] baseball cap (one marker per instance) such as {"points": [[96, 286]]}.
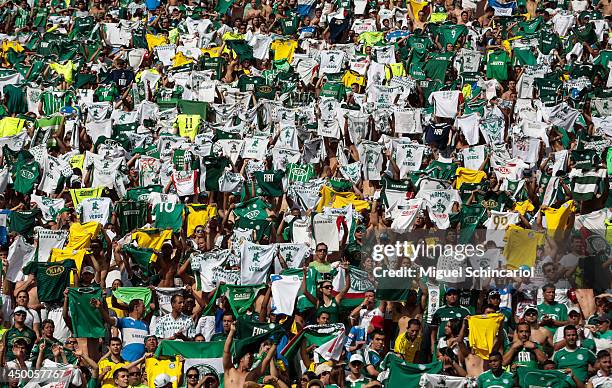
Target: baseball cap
{"points": [[377, 322], [162, 380], [529, 308], [322, 368], [493, 293], [88, 269], [356, 358], [451, 290], [20, 309], [573, 310]]}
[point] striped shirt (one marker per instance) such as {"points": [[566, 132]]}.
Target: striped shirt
{"points": [[167, 326]]}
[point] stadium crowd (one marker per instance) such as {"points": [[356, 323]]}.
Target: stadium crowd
{"points": [[197, 193]]}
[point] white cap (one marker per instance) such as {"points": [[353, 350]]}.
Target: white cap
{"points": [[162, 380], [88, 269], [573, 309], [356, 357], [20, 309], [527, 308]]}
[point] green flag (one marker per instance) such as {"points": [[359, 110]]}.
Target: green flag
{"points": [[206, 356], [532, 377], [128, 294], [241, 297], [250, 334], [323, 336], [399, 373], [86, 319]]}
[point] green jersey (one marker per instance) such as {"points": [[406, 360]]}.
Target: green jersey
{"points": [[23, 222], [440, 170], [497, 65], [450, 33], [471, 216], [131, 215], [270, 182], [550, 89], [445, 314], [548, 41], [300, 172], [214, 64], [108, 92], [556, 311], [526, 357], [15, 99], [12, 334], [86, 320], [489, 380], [578, 360], [333, 89], [26, 176], [52, 102], [51, 278], [142, 193], [48, 351], [169, 216], [289, 25], [533, 377], [437, 64]]}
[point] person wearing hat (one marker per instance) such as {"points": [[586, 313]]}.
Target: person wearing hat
{"points": [[451, 309], [539, 334], [163, 380], [494, 298], [602, 328], [19, 330], [355, 379], [323, 371]]}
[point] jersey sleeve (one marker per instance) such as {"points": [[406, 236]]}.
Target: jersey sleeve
{"points": [[30, 268]]}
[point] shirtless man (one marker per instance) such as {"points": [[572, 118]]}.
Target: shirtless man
{"points": [[539, 334], [420, 22], [235, 377], [474, 365], [165, 265]]}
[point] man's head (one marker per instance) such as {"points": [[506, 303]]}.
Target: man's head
{"points": [[523, 331], [48, 327], [321, 252], [495, 361], [452, 296], [530, 314], [246, 361], [323, 318], [135, 376], [494, 298], [121, 377], [20, 315], [574, 316], [228, 319], [137, 307], [602, 324], [378, 340], [603, 358], [115, 346], [150, 343], [549, 293], [19, 347], [177, 302], [22, 298], [355, 364], [199, 338], [370, 299], [570, 334], [413, 329]]}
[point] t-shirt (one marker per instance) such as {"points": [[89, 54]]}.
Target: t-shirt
{"points": [[578, 360], [133, 333], [86, 319], [12, 334], [497, 65], [445, 314], [169, 216], [107, 379], [489, 380], [51, 278], [556, 311]]}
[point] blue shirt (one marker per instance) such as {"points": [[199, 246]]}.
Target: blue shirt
{"points": [[133, 332], [152, 4]]}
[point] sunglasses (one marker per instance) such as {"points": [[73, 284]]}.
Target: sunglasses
{"points": [[321, 250], [531, 313], [327, 287], [20, 313], [199, 231]]}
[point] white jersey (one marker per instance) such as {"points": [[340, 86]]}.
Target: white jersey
{"points": [[95, 209], [497, 223]]}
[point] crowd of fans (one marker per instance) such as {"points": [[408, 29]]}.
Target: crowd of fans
{"points": [[197, 193]]}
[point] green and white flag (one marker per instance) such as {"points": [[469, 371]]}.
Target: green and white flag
{"points": [[352, 171], [532, 377], [255, 261], [206, 356], [241, 298], [45, 127], [586, 184], [329, 340], [50, 207], [293, 254], [397, 372], [300, 172]]}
